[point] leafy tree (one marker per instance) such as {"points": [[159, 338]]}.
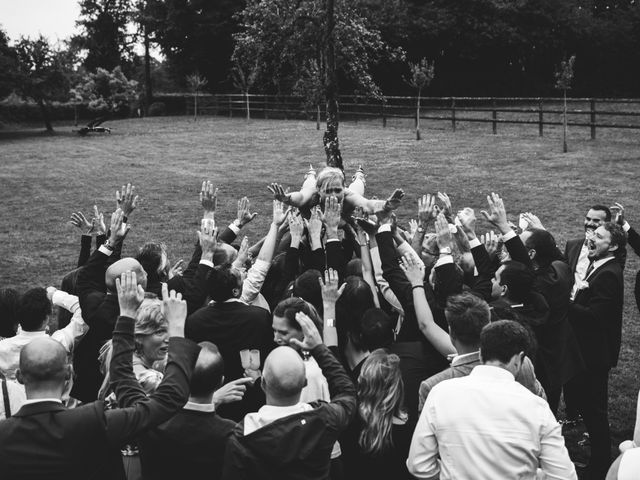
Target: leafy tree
{"points": [[8, 66], [105, 38], [43, 74], [106, 92], [196, 83], [244, 76], [420, 76], [564, 77]]}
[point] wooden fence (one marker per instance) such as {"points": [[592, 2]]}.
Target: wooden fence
{"points": [[592, 113]]}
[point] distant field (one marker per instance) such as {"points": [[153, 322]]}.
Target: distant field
{"points": [[44, 178]]}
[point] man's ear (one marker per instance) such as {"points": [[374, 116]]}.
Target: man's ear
{"points": [[19, 377], [236, 292], [305, 382], [504, 290], [613, 248]]}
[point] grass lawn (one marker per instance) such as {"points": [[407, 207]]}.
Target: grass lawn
{"points": [[44, 178]]}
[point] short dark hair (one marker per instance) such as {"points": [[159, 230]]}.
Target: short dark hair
{"points": [[33, 308], [618, 236], [288, 308], [519, 280], [9, 300], [356, 299], [306, 286], [209, 369], [467, 315], [150, 257], [376, 330], [545, 246], [603, 208], [503, 339], [222, 281], [354, 267]]}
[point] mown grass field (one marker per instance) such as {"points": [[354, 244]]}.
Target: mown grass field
{"points": [[44, 178]]}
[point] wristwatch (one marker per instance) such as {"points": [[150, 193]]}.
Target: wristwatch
{"points": [[445, 251], [108, 245], [330, 322]]}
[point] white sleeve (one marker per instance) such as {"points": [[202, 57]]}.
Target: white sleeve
{"points": [[554, 457], [255, 279], [423, 453], [76, 329]]}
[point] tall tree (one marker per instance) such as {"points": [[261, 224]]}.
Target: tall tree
{"points": [[8, 66], [105, 38], [43, 74]]}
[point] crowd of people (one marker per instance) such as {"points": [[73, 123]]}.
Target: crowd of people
{"points": [[341, 345]]}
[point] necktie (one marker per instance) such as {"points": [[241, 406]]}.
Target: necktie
{"points": [[589, 270]]}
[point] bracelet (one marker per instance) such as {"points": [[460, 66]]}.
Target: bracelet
{"points": [[417, 286]]}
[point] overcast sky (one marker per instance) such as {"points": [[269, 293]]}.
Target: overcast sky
{"points": [[55, 19]]}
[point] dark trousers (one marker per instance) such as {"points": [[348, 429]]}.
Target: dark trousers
{"points": [[591, 393]]}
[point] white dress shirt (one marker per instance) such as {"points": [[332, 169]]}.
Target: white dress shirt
{"points": [[581, 270], [487, 426]]}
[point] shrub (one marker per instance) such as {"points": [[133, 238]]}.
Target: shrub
{"points": [[157, 109]]}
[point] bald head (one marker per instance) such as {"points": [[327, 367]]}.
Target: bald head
{"points": [[224, 253], [284, 376], [43, 360], [121, 266]]}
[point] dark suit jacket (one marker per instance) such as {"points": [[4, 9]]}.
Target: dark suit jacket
{"points": [[48, 441], [100, 311], [596, 316], [572, 252], [233, 326], [634, 241]]}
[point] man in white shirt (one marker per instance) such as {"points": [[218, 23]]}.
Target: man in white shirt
{"points": [[486, 425]]}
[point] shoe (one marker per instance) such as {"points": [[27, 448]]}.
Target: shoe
{"points": [[311, 171], [359, 174]]}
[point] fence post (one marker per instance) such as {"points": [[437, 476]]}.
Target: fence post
{"points": [[540, 117], [593, 119], [230, 107], [453, 113], [384, 114], [494, 116]]}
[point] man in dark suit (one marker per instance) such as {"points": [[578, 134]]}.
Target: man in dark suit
{"points": [[633, 238], [232, 325], [46, 440], [596, 317]]}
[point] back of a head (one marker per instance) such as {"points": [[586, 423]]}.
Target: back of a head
{"points": [[9, 301], [283, 376], [501, 340], [375, 330], [153, 258], [467, 315], [545, 246], [116, 269], [43, 361], [380, 398], [306, 286], [356, 298], [519, 280], [288, 308], [224, 254], [354, 268], [208, 372], [33, 309], [223, 283]]}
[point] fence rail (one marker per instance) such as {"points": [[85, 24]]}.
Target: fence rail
{"points": [[594, 113]]}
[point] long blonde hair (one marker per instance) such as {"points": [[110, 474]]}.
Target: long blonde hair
{"points": [[381, 398]]}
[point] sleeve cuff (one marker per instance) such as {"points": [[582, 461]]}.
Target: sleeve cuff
{"points": [[474, 243], [206, 262], [62, 299], [234, 228], [443, 260], [105, 250], [332, 240], [384, 228], [626, 227], [509, 235]]}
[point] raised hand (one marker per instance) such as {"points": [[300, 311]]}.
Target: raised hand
{"points": [[533, 221], [280, 213], [231, 392], [446, 201], [174, 309], [443, 234], [314, 227], [118, 227], [243, 254], [98, 221], [413, 227], [491, 242], [467, 218], [497, 214], [329, 287], [177, 269], [618, 210], [244, 213], [126, 199], [332, 212], [311, 171], [296, 228], [413, 270], [311, 338], [394, 201], [130, 294], [279, 193], [208, 237], [209, 199], [79, 220], [427, 210]]}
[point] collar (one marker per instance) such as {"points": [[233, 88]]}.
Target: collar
{"points": [[229, 300], [40, 405], [38, 333], [273, 411], [200, 407], [465, 358], [598, 263], [31, 401], [492, 373]]}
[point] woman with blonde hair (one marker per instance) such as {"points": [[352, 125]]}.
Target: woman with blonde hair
{"points": [[379, 437]]}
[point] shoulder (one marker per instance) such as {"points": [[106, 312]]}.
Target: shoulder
{"points": [[434, 380]]}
